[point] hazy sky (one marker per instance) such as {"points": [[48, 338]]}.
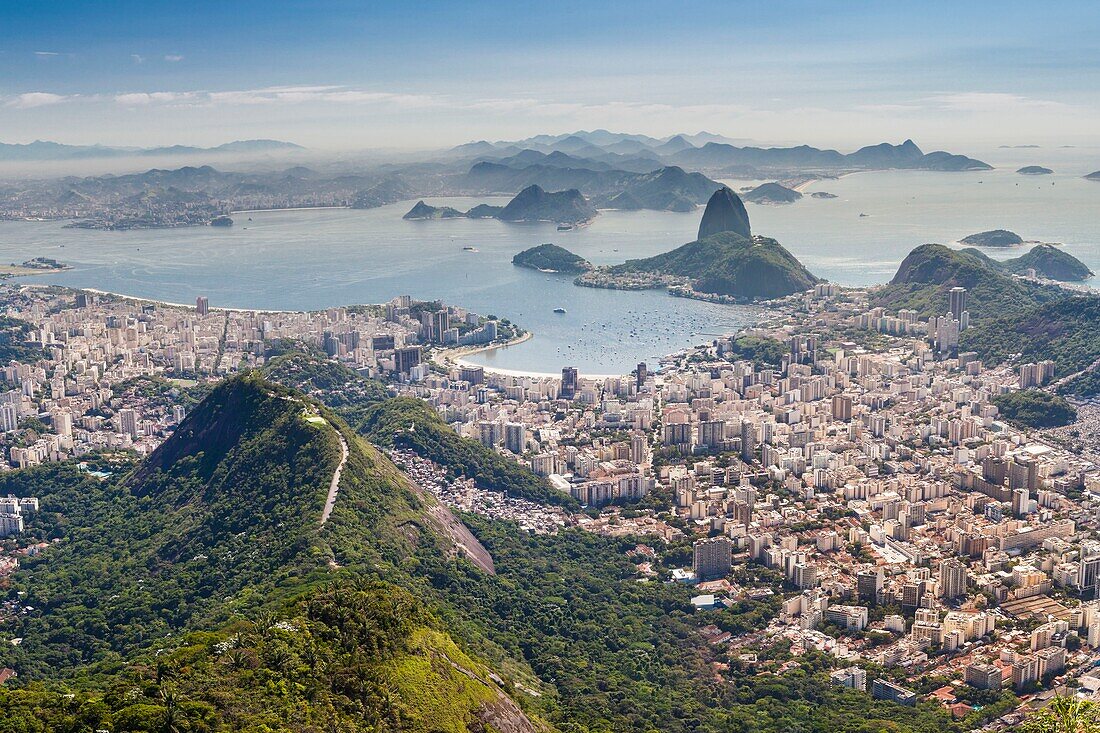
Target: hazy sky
{"points": [[356, 75]]}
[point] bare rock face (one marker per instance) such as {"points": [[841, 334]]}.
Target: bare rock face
{"points": [[725, 212]]}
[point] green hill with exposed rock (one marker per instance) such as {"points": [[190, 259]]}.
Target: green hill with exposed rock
{"points": [[422, 211], [535, 204]]}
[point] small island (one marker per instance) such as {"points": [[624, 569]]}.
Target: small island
{"points": [[1034, 170], [993, 238], [221, 221], [772, 193], [422, 211], [823, 195], [1094, 176], [552, 258]]}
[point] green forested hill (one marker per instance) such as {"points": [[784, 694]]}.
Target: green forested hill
{"points": [[224, 514], [927, 274]]}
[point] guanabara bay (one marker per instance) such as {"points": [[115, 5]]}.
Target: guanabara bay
{"points": [[549, 368]]}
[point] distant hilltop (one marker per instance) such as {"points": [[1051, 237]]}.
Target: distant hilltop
{"points": [[772, 193], [531, 204], [46, 150]]}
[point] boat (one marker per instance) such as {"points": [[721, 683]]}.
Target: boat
{"points": [[559, 310], [469, 249], [564, 227]]}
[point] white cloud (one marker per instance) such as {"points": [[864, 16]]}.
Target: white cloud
{"points": [[144, 98], [992, 102], [173, 58], [35, 99], [45, 54], [137, 58]]}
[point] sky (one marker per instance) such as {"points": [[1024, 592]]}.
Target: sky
{"points": [[336, 75]]}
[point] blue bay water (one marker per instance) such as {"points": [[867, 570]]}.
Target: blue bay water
{"points": [[310, 259]]}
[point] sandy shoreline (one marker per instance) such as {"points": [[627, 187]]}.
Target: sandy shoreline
{"points": [[459, 358]]}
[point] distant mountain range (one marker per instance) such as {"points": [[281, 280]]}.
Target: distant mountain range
{"points": [[667, 188], [45, 150], [713, 156], [713, 153]]}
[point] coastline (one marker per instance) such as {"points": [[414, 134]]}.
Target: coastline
{"points": [[447, 357], [287, 208], [170, 304], [458, 358]]}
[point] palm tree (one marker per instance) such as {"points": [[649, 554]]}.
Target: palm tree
{"points": [[171, 712], [1065, 714]]}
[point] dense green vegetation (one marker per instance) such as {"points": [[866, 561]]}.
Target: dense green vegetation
{"points": [[1048, 261], [410, 423], [12, 334], [357, 657], [763, 352], [729, 264], [929, 272], [1034, 408], [551, 257], [993, 238], [1063, 331]]}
